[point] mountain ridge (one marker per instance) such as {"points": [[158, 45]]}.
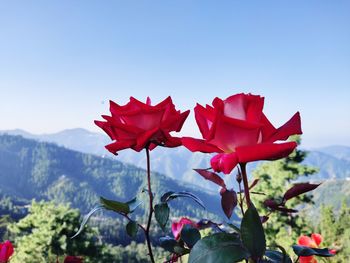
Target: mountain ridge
{"points": [[178, 163]]}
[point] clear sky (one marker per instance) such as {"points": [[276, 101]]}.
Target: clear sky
{"points": [[61, 61]]}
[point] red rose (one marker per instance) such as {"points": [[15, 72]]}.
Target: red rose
{"points": [[6, 251], [176, 227], [314, 241], [73, 259], [239, 131], [138, 125]]}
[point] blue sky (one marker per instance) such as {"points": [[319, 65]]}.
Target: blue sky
{"points": [[61, 61]]}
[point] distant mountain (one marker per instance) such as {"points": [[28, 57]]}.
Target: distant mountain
{"points": [[178, 163], [330, 167], [31, 169], [329, 193], [337, 151], [75, 139]]}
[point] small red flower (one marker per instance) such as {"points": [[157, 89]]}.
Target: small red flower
{"points": [[138, 125], [237, 129], [176, 227], [73, 259], [6, 251], [314, 241]]}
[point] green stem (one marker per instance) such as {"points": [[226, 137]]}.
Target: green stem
{"points": [[245, 183], [150, 194]]}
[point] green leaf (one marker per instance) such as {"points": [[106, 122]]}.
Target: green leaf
{"points": [[116, 206], [171, 245], [131, 228], [165, 197], [86, 219], [161, 213], [168, 196], [190, 235], [252, 233], [277, 257], [219, 247], [133, 204], [308, 251]]}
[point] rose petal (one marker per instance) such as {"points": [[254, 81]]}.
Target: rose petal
{"points": [[175, 121], [197, 145], [204, 118], [120, 145], [172, 142], [264, 151], [310, 259], [244, 107], [118, 110], [267, 128], [231, 133], [107, 128], [291, 127], [144, 119], [155, 135], [254, 108], [317, 238], [305, 241], [224, 162]]}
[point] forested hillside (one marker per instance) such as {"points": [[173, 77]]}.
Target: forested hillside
{"points": [[32, 169]]}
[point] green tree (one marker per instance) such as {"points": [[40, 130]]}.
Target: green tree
{"points": [[45, 233], [335, 230], [274, 179]]}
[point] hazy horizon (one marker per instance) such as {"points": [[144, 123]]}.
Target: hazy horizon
{"points": [[303, 145]]}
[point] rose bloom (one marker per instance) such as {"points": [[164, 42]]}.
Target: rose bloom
{"points": [[237, 129], [176, 227], [139, 125], [73, 259], [314, 241], [6, 251]]}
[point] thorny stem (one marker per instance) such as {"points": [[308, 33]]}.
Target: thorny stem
{"points": [[150, 194], [245, 183]]}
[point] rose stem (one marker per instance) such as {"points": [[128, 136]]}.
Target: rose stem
{"points": [[245, 183], [239, 180], [150, 194]]}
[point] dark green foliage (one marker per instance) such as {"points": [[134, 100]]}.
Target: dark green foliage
{"points": [[171, 245], [252, 233], [132, 228], [190, 235], [220, 247], [115, 206], [308, 251], [161, 213]]}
